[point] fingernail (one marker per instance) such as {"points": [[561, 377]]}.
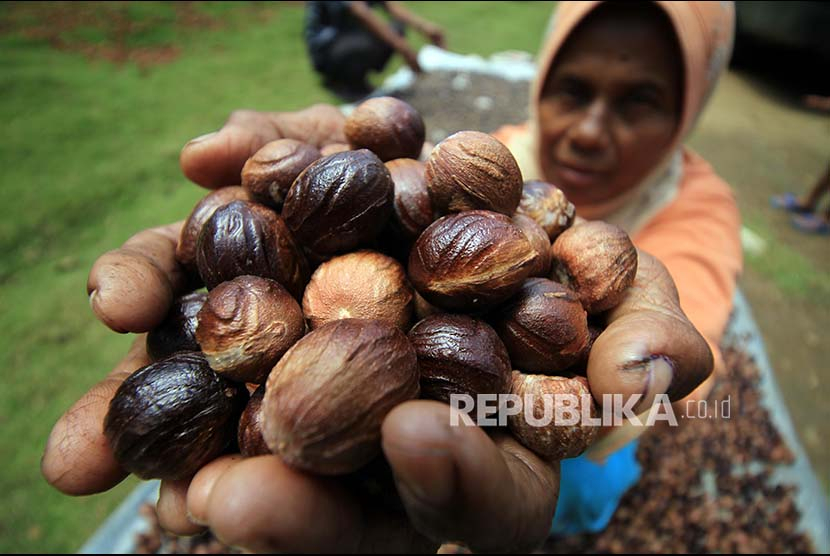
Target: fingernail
{"points": [[195, 521], [660, 373], [427, 479], [92, 295], [200, 138]]}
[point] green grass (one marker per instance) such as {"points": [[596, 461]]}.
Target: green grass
{"points": [[90, 156]]}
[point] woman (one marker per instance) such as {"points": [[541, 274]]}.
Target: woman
{"points": [[620, 88], [456, 483]]}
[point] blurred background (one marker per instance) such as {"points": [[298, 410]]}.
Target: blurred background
{"points": [[98, 100]]}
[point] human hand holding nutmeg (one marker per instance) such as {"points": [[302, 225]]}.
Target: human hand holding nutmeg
{"points": [[455, 482]]}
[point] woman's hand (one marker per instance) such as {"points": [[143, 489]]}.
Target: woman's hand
{"points": [[456, 483]]}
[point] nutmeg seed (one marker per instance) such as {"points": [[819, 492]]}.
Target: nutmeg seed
{"points": [[339, 202], [269, 173], [548, 206], [204, 209], [168, 419], [458, 354], [470, 170], [249, 435], [244, 238], [558, 439], [363, 285], [471, 261], [178, 330], [412, 207], [246, 325], [598, 261], [389, 127], [327, 397], [544, 327], [539, 240]]}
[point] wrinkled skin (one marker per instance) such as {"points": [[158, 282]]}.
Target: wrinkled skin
{"points": [[456, 483]]}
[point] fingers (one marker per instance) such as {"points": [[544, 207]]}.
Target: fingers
{"points": [[171, 508], [131, 288], [649, 346], [78, 459], [199, 491], [263, 505], [458, 484], [216, 159]]}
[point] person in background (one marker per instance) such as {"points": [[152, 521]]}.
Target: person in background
{"points": [[347, 40], [619, 87], [807, 217]]}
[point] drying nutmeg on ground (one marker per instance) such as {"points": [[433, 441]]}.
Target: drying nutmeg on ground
{"points": [[342, 282]]}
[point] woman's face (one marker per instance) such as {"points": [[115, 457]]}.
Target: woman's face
{"points": [[610, 106]]}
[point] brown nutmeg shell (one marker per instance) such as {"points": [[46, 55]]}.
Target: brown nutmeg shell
{"points": [[339, 203], [246, 325], [326, 399], [548, 206], [204, 209], [555, 439], [544, 327], [458, 354], [471, 261], [539, 240], [470, 170], [168, 419], [249, 434], [178, 330], [361, 285], [244, 238], [412, 207], [269, 173], [389, 127], [598, 261]]}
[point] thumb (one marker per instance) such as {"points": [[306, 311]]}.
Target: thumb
{"points": [[216, 159], [458, 484]]}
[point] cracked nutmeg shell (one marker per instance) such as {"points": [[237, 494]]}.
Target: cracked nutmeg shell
{"points": [[598, 261], [548, 206], [360, 285], [204, 209], [458, 354], [269, 173], [326, 399], [246, 325], [245, 238], [544, 327], [389, 127], [471, 170], [412, 207], [471, 261], [539, 240], [559, 431], [249, 434], [171, 417], [339, 202], [178, 330]]}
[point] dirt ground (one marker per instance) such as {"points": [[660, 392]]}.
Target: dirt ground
{"points": [[763, 142]]}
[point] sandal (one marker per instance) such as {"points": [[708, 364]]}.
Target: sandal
{"points": [[810, 223], [788, 202]]}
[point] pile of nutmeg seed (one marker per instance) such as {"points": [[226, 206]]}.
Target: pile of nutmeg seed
{"points": [[346, 280]]}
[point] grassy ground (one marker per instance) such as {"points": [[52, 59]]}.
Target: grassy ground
{"points": [[97, 100]]}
